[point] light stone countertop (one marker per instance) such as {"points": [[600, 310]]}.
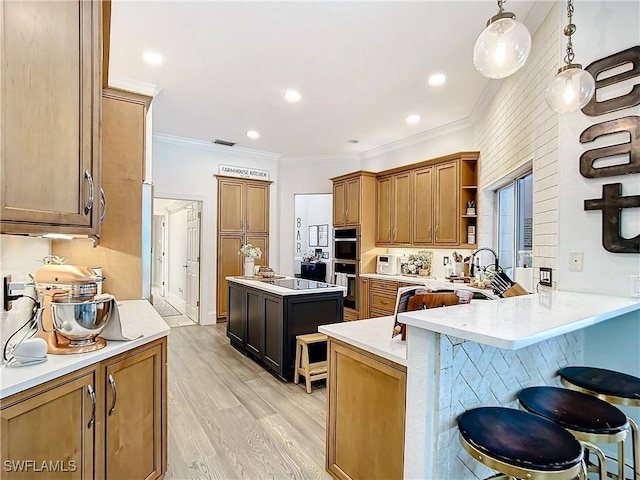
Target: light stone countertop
{"points": [[138, 317], [372, 335], [430, 282], [283, 291], [516, 322]]}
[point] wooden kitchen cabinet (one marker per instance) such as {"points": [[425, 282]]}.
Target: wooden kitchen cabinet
{"points": [[445, 204], [133, 412], [366, 397], [74, 420], [349, 194], [243, 217], [54, 423], [50, 117], [381, 296], [422, 211], [393, 199]]}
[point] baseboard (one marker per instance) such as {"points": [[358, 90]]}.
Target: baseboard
{"points": [[177, 302], [208, 319]]}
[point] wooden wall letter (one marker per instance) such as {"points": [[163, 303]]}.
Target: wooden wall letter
{"points": [[611, 205], [631, 99], [632, 148]]}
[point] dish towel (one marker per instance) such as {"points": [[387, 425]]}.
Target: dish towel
{"points": [[341, 280], [113, 330]]}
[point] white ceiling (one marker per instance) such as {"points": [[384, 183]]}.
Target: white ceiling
{"points": [[361, 68]]}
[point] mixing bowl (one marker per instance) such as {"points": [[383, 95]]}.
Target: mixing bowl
{"points": [[80, 322]]}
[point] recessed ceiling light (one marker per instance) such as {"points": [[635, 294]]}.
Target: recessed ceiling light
{"points": [[437, 80], [253, 135], [412, 119], [292, 96], [152, 58]]}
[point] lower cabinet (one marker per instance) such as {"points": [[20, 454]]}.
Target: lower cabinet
{"points": [[264, 325], [381, 296], [365, 414], [104, 421]]}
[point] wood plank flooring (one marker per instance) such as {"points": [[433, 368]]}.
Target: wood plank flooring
{"points": [[229, 418]]}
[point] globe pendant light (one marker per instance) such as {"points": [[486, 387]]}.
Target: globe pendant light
{"points": [[572, 88], [503, 47]]}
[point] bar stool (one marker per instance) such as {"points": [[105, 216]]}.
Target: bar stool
{"points": [[311, 371], [519, 444], [588, 418], [613, 387]]}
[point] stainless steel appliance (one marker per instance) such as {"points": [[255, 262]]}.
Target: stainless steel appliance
{"points": [[346, 243], [390, 263], [346, 275]]}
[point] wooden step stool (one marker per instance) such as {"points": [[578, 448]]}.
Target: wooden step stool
{"points": [[311, 371]]}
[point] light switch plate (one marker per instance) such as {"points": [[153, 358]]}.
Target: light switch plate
{"points": [[546, 277], [635, 286], [575, 261]]}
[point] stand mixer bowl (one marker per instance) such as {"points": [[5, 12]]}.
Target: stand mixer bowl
{"points": [[80, 322]]}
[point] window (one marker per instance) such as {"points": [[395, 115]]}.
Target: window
{"points": [[515, 224]]}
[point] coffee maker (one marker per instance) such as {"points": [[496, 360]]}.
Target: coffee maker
{"points": [[71, 318]]}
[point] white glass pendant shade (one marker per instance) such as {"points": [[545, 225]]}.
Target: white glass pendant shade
{"points": [[570, 90], [502, 48]]}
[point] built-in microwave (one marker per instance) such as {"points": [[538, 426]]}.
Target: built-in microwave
{"points": [[346, 243]]}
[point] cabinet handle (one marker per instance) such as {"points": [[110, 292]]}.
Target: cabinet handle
{"points": [[103, 204], [112, 382], [92, 394], [395, 233], [386, 302], [436, 232], [89, 205], [389, 233]]}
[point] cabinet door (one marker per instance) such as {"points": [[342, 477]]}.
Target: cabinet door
{"points": [[361, 387], [54, 427], [446, 203], [352, 204], [50, 116], [261, 241], [422, 211], [364, 298], [231, 206], [236, 318], [383, 218], [257, 213], [229, 264], [273, 331], [255, 323], [339, 195], [401, 204], [133, 415]]}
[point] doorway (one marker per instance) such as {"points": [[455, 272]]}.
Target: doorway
{"points": [[176, 260]]}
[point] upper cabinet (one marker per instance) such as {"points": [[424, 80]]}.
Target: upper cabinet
{"points": [[50, 116], [394, 219], [245, 207], [349, 192]]}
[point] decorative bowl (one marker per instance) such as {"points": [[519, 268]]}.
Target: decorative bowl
{"points": [[266, 272]]}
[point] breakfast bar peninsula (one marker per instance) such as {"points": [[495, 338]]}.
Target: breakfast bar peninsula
{"points": [[265, 316], [457, 358]]}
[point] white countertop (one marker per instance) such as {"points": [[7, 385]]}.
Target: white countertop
{"points": [[283, 291], [138, 317], [372, 335], [516, 322], [430, 282]]}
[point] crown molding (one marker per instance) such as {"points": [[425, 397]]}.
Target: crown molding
{"points": [[418, 138], [203, 145], [134, 86], [331, 157]]}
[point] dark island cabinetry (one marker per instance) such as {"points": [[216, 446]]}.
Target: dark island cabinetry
{"points": [[264, 325]]}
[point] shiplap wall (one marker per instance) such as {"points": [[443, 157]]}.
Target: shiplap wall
{"points": [[518, 130]]}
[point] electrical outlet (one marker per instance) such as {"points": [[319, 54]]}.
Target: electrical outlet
{"points": [[575, 261], [445, 261], [545, 276]]}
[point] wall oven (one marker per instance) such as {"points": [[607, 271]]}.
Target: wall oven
{"points": [[346, 243], [346, 275]]}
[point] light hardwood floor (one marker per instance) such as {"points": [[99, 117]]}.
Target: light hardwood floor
{"points": [[229, 418]]}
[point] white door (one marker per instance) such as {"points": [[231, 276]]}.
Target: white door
{"points": [[158, 253], [193, 262]]}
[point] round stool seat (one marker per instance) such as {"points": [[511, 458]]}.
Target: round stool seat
{"points": [[520, 439], [609, 385], [574, 410]]}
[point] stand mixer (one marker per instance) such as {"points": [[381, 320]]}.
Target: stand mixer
{"points": [[72, 316]]}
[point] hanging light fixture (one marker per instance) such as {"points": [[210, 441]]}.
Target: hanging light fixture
{"points": [[503, 47], [572, 88]]}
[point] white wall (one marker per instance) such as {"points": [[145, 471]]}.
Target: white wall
{"points": [[312, 209], [184, 169], [21, 256]]}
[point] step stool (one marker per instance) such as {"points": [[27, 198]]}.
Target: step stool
{"points": [[311, 371]]}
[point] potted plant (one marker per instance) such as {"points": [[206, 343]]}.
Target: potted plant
{"points": [[250, 254]]}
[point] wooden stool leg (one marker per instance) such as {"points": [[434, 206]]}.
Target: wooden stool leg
{"points": [[305, 366], [296, 369]]}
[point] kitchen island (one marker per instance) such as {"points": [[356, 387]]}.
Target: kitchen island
{"points": [[265, 316], [102, 412], [479, 354]]}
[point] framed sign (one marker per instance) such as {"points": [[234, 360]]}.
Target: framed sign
{"points": [[323, 235], [313, 235]]}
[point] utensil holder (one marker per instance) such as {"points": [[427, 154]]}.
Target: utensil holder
{"points": [[515, 291]]}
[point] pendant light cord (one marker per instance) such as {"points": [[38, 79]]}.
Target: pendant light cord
{"points": [[569, 30], [500, 7]]}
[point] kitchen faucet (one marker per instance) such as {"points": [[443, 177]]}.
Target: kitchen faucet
{"points": [[472, 266]]}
